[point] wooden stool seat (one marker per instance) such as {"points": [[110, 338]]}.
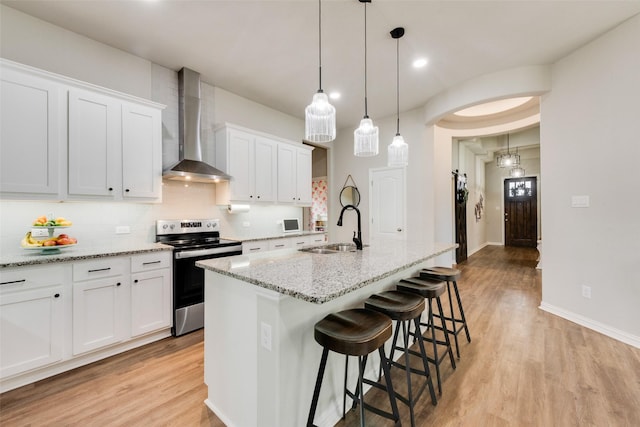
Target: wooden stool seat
{"points": [[427, 288], [442, 273], [354, 332], [397, 305]]}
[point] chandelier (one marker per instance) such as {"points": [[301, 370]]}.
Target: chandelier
{"points": [[508, 159]]}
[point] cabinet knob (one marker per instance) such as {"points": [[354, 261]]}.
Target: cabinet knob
{"points": [[135, 281], [126, 190], [251, 197], [118, 284], [56, 296], [110, 188], [258, 197]]}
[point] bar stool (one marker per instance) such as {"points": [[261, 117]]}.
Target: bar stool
{"points": [[431, 289], [404, 307], [355, 332], [450, 275]]}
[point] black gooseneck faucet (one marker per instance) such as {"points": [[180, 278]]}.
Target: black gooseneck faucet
{"points": [[357, 240]]}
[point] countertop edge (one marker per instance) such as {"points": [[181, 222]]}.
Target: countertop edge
{"points": [[70, 257], [272, 237]]}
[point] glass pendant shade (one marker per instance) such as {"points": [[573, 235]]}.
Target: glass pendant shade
{"points": [[398, 152], [320, 119], [508, 160], [365, 139], [516, 172]]}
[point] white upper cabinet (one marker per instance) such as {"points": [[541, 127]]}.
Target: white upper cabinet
{"points": [[30, 134], [94, 144], [141, 151], [294, 174], [113, 149], [251, 162]]}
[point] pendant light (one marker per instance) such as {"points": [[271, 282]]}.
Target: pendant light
{"points": [[398, 150], [507, 160], [365, 138], [320, 116], [516, 172]]}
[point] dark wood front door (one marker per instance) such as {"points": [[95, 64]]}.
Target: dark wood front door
{"points": [[520, 212]]}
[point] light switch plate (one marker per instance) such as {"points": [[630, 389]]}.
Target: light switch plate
{"points": [[580, 201]]}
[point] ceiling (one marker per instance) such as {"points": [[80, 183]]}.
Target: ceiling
{"points": [[267, 51]]}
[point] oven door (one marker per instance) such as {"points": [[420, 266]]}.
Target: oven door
{"points": [[188, 286]]}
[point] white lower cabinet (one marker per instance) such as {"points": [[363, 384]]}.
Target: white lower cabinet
{"points": [[32, 309], [253, 247], [99, 304], [150, 293], [280, 244]]}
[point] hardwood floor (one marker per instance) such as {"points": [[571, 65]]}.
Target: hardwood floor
{"points": [[524, 367]]}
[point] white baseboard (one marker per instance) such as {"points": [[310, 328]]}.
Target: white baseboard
{"points": [[477, 249], [495, 244], [614, 333]]}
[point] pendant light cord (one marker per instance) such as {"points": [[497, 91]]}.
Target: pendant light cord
{"points": [[366, 115], [398, 85], [320, 44]]}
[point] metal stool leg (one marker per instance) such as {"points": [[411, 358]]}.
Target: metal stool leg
{"points": [[464, 319], [425, 362], [446, 335], [316, 390], [453, 320]]}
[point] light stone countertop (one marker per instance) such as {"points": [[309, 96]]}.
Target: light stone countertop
{"points": [[23, 257], [319, 278], [255, 238]]}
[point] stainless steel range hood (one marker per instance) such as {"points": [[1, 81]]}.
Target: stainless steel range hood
{"points": [[190, 167]]}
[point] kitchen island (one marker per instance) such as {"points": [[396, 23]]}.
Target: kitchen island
{"points": [[261, 359]]}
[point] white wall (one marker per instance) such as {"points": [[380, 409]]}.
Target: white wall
{"points": [[589, 146], [40, 44], [420, 185]]}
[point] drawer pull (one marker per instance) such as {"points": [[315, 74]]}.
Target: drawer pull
{"points": [[254, 249], [279, 246], [151, 262], [100, 269], [13, 281]]}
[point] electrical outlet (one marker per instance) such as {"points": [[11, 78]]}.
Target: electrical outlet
{"points": [[123, 229], [265, 335], [586, 291], [35, 232]]}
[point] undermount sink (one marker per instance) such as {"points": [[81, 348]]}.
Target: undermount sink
{"points": [[332, 248]]}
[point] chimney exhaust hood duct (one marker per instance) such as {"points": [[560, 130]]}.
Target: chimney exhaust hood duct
{"points": [[190, 167]]}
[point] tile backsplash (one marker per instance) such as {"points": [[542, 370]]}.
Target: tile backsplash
{"points": [[95, 222]]}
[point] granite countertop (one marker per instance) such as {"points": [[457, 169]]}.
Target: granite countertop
{"points": [[319, 278], [272, 236], [23, 257]]}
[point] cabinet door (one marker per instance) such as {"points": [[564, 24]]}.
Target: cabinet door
{"points": [[253, 247], [264, 170], [94, 144], [303, 177], [286, 173], [150, 301], [97, 313], [240, 154], [141, 152], [30, 131], [31, 329]]}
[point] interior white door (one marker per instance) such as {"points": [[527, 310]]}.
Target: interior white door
{"points": [[387, 203]]}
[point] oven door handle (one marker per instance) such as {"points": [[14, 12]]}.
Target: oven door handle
{"points": [[203, 252]]}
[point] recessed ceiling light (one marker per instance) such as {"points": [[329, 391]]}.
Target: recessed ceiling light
{"points": [[419, 63], [335, 95], [493, 107]]}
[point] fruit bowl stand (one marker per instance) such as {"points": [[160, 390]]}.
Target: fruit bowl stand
{"points": [[49, 250]]}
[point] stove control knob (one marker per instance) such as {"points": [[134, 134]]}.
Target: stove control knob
{"points": [[164, 227], [172, 226], [208, 225]]}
